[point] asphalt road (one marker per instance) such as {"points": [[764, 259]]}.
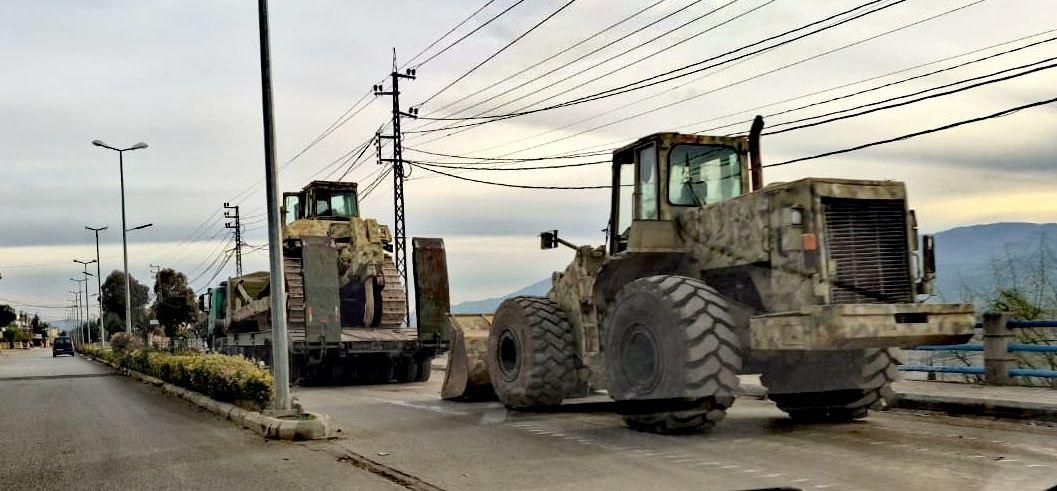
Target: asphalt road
{"points": [[69, 423], [484, 446]]}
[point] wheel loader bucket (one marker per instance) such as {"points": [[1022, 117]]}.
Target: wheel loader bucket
{"points": [[467, 376]]}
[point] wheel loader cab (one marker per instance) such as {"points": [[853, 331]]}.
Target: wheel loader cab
{"points": [[657, 178]]}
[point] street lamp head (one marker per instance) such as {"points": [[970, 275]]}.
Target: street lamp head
{"points": [[138, 146], [99, 143], [100, 229], [140, 227]]}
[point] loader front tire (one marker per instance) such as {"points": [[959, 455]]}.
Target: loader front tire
{"points": [[531, 351], [864, 385], [672, 343]]}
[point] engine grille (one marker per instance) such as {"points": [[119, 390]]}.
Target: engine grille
{"points": [[867, 239]]}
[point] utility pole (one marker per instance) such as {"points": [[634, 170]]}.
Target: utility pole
{"points": [[77, 314], [399, 225], [87, 314], [280, 353], [80, 321], [237, 225], [99, 282]]}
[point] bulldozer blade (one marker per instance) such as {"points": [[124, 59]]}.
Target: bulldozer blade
{"points": [[467, 377]]}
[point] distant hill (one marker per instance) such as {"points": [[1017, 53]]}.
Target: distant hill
{"points": [[538, 288], [965, 256], [964, 259]]}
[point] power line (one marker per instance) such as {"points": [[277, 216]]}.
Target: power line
{"points": [[502, 184], [447, 165], [908, 136], [878, 87], [626, 65], [500, 159], [581, 57], [652, 80], [453, 29], [478, 28], [549, 58], [912, 101], [493, 55], [744, 80]]}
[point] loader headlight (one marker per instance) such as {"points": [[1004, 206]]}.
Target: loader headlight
{"points": [[796, 216]]}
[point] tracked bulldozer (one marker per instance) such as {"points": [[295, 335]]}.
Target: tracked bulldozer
{"points": [[708, 274], [346, 304]]}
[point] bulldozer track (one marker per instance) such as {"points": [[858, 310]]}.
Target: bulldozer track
{"points": [[394, 296], [295, 295]]}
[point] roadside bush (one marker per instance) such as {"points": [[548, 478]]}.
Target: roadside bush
{"points": [[123, 342], [225, 378]]}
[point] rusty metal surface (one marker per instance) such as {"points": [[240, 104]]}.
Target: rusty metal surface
{"points": [[376, 334], [467, 375], [846, 326], [321, 303], [432, 299]]}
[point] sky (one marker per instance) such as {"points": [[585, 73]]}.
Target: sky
{"points": [[184, 77]]}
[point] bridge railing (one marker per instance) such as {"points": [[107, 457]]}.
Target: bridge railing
{"points": [[999, 347]]}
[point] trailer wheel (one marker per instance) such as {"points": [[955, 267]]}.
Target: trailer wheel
{"points": [[424, 368], [851, 393], [530, 353], [671, 341]]}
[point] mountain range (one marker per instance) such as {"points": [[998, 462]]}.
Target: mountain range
{"points": [[966, 258]]}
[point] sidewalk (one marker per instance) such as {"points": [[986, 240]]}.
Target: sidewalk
{"points": [[1038, 403]]}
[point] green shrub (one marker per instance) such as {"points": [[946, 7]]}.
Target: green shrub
{"points": [[222, 377]]}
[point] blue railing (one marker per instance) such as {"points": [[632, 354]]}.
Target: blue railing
{"points": [[1000, 335]]}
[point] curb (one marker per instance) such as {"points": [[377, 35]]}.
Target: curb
{"points": [[957, 406], [269, 426]]}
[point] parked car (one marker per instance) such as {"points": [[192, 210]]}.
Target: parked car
{"points": [[62, 346]]}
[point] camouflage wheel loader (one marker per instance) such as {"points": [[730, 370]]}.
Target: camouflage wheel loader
{"points": [[809, 283], [346, 306]]}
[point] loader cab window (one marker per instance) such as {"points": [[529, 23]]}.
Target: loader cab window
{"points": [[647, 183], [703, 174], [336, 204], [291, 208]]}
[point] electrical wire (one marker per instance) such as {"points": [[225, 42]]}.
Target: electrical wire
{"points": [[506, 185], [908, 136], [911, 101], [478, 28], [497, 53], [551, 57]]}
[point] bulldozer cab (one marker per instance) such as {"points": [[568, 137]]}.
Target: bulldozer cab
{"points": [[660, 176], [322, 200]]}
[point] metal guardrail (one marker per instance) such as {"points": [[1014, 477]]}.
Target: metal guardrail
{"points": [[1000, 363]]}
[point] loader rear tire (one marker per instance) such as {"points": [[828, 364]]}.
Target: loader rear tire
{"points": [[670, 340], [531, 352], [853, 395]]}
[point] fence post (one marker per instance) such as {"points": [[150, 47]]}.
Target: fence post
{"points": [[997, 358]]}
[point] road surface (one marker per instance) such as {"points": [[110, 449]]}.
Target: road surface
{"points": [[72, 424], [484, 446]]}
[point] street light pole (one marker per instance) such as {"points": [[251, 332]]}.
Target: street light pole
{"points": [[124, 231], [99, 282]]}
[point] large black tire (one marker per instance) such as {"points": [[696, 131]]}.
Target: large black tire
{"points": [[531, 351], [423, 368], [864, 384], [671, 340]]}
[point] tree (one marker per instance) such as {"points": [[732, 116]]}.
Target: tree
{"points": [[174, 301], [114, 301], [39, 326], [7, 315]]}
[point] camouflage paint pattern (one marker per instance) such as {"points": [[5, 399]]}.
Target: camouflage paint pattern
{"points": [[572, 290]]}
